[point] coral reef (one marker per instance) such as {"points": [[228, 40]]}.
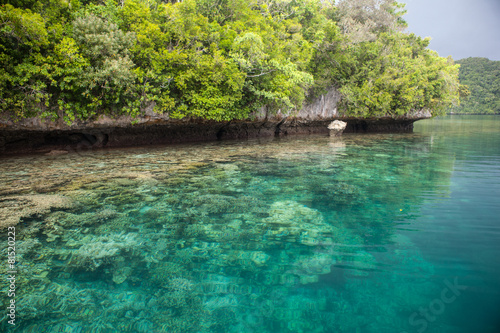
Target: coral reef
{"points": [[262, 236], [97, 251], [15, 208]]}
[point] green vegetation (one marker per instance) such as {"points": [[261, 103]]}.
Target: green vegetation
{"points": [[214, 59], [482, 77]]}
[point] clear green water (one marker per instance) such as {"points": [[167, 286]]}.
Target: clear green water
{"points": [[366, 233]]}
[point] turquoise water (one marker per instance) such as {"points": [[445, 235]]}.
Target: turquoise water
{"points": [[364, 233]]}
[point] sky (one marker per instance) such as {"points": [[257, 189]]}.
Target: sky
{"points": [[460, 28]]}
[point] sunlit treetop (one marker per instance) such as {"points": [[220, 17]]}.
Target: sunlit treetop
{"points": [[214, 59]]}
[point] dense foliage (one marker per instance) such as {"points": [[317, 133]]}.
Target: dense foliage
{"points": [[214, 59], [482, 78]]}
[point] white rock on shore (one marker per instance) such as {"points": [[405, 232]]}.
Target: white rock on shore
{"points": [[337, 127]]}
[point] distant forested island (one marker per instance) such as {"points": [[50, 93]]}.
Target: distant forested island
{"points": [[482, 77], [214, 59]]}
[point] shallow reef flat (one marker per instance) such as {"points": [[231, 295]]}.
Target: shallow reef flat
{"points": [[290, 235]]}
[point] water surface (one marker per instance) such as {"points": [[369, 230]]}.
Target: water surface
{"points": [[364, 233]]}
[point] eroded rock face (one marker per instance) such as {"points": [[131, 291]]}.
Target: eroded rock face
{"points": [[36, 135]]}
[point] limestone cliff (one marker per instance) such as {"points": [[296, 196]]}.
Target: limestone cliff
{"points": [[37, 135]]}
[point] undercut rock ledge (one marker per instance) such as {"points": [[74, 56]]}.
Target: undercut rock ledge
{"points": [[37, 136]]}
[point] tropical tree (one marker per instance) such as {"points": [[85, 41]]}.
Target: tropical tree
{"points": [[214, 59]]}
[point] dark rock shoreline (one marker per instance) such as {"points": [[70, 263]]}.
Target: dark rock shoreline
{"points": [[37, 136]]}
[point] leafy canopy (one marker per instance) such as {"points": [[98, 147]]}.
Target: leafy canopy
{"points": [[214, 59], [481, 89]]}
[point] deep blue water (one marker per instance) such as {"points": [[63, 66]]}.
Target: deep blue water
{"points": [[364, 233]]}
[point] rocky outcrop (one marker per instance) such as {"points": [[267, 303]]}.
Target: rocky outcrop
{"points": [[37, 135], [337, 127]]}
